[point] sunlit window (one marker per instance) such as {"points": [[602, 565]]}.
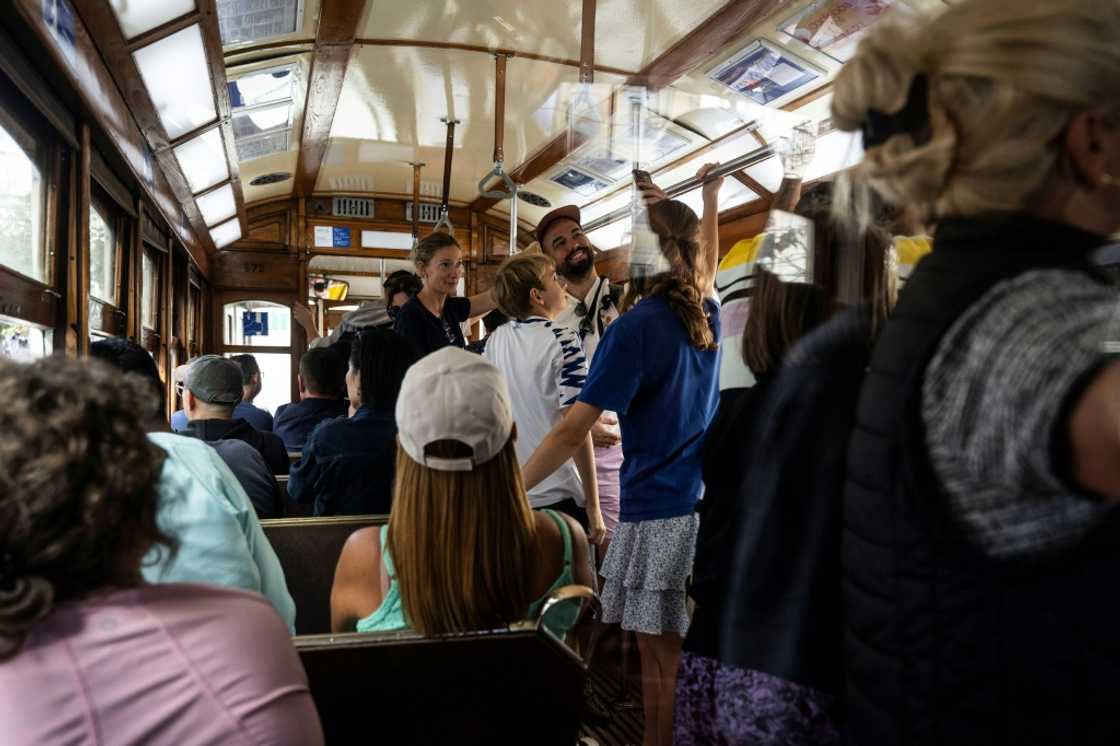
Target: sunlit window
{"points": [[102, 254], [149, 290], [23, 342], [256, 323], [261, 104], [276, 379], [22, 196]]}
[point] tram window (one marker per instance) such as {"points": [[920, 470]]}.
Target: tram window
{"points": [[22, 201], [103, 236], [276, 379], [149, 289], [257, 323], [22, 341]]}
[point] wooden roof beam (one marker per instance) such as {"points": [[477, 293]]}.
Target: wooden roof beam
{"points": [[334, 43], [701, 45], [212, 39]]}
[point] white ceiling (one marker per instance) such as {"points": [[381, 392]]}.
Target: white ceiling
{"points": [[396, 90]]}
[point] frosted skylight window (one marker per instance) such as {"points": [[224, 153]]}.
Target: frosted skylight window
{"points": [[177, 77], [136, 16], [226, 233], [203, 160], [217, 205]]}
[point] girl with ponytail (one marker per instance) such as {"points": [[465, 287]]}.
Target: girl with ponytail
{"points": [[657, 366]]}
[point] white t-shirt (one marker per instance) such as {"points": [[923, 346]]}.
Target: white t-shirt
{"points": [[545, 369], [598, 310]]}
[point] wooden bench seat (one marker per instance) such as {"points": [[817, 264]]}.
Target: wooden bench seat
{"points": [[309, 549], [516, 685]]}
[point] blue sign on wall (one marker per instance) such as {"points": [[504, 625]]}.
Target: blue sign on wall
{"points": [[340, 237], [254, 323]]}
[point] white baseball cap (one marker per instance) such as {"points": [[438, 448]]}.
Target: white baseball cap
{"points": [[453, 394]]}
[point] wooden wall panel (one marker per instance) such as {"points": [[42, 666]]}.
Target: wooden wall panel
{"points": [[255, 270]]}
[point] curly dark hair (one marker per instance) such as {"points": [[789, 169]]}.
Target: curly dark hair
{"points": [[78, 475]]}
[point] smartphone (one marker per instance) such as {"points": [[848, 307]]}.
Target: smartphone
{"points": [[642, 179]]}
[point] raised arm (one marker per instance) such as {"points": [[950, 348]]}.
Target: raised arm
{"points": [[709, 233], [561, 443], [482, 304]]}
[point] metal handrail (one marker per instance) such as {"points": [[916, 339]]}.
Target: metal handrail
{"points": [[735, 165]]}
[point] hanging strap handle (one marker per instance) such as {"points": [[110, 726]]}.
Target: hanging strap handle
{"points": [[498, 172]]}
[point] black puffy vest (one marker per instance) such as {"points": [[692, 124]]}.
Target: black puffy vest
{"points": [[941, 645]]}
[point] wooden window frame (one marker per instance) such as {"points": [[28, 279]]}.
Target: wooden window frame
{"points": [[24, 298]]}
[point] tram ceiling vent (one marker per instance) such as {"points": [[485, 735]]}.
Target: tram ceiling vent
{"points": [[533, 198], [429, 212], [352, 207], [272, 178]]}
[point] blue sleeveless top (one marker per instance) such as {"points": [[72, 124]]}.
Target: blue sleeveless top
{"points": [[390, 614]]}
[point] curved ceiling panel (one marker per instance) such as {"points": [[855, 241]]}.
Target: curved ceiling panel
{"points": [[390, 108], [545, 28]]}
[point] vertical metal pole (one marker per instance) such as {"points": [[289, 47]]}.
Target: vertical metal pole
{"points": [[513, 221]]}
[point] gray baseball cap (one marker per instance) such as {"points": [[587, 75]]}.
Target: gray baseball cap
{"points": [[214, 380]]}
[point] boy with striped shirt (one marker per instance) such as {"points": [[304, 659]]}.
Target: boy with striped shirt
{"points": [[545, 369]]}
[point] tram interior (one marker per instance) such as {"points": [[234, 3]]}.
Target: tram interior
{"points": [[237, 177]]}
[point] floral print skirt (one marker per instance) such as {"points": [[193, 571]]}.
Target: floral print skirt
{"points": [[722, 705]]}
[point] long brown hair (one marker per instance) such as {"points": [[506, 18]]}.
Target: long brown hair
{"points": [[780, 314], [850, 267], [676, 226], [462, 542]]}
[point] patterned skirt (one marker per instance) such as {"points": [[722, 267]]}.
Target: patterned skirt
{"points": [[645, 572], [719, 704]]}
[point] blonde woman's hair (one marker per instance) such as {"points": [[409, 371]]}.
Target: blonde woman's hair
{"points": [[514, 280], [462, 542], [1004, 79]]}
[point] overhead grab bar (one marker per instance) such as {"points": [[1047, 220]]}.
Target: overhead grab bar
{"points": [[735, 165], [498, 172], [444, 222]]}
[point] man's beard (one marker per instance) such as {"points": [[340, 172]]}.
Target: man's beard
{"points": [[577, 270]]}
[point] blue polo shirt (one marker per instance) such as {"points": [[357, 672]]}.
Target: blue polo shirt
{"points": [[666, 393]]}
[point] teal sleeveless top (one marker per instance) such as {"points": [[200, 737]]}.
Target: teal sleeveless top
{"points": [[390, 615]]}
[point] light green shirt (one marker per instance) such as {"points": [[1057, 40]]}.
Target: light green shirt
{"points": [[221, 541]]}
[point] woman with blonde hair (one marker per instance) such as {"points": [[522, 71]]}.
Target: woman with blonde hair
{"points": [[462, 550], [981, 539], [431, 319]]}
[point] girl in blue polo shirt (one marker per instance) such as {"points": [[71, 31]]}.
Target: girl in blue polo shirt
{"points": [[658, 368]]}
